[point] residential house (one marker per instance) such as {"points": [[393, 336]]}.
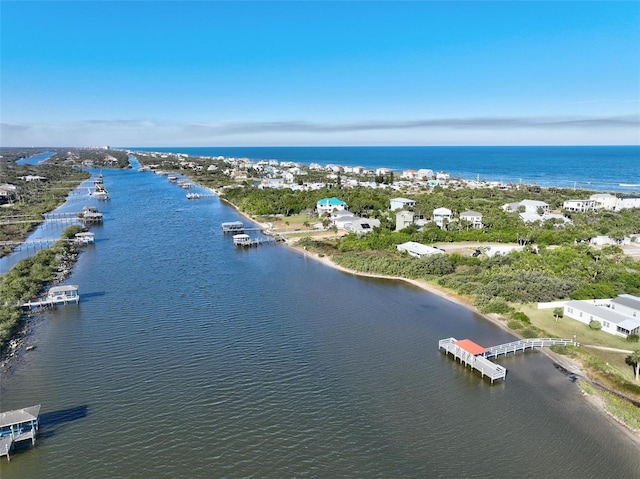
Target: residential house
{"points": [[579, 205], [404, 218], [612, 322], [401, 203], [440, 215], [604, 201], [362, 226], [626, 304], [625, 202], [425, 173], [472, 217], [328, 205], [418, 250]]}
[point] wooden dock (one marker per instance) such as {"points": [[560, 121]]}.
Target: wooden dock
{"points": [[18, 426], [471, 354], [56, 296], [246, 241], [475, 356]]}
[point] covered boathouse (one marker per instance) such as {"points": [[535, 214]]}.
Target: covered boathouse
{"points": [[18, 426], [473, 355]]}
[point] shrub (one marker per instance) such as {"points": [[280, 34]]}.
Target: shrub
{"points": [[497, 306], [595, 325], [633, 338], [513, 324], [520, 316], [560, 349], [529, 333]]}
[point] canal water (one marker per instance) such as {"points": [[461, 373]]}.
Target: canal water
{"points": [[189, 358]]}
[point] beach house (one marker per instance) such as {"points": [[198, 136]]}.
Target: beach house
{"points": [[329, 205], [441, 216], [418, 250], [610, 319], [400, 203], [472, 217]]}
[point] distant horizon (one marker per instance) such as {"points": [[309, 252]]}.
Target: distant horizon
{"points": [[117, 147]]}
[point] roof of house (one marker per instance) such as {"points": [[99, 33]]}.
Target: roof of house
{"points": [[442, 211], [418, 248], [470, 347], [402, 200], [333, 201], [627, 300], [470, 213], [19, 416], [600, 311]]}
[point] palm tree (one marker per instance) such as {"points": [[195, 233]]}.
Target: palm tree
{"points": [[634, 359]]}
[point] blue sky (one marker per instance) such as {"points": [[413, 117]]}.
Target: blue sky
{"points": [[152, 73]]}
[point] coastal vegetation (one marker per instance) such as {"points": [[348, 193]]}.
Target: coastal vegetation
{"points": [[26, 279]]}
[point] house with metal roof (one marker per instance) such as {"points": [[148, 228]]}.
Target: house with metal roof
{"points": [[612, 321], [626, 304], [472, 217], [440, 215], [328, 205], [400, 203], [418, 250]]}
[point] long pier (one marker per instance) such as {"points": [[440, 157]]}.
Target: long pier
{"points": [[475, 356]]}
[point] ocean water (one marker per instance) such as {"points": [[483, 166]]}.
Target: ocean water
{"points": [[598, 168], [187, 357]]}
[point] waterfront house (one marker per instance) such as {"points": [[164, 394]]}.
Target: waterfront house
{"points": [[626, 304], [611, 321], [361, 226], [418, 250], [328, 205], [472, 217], [409, 174], [604, 201], [425, 173], [440, 215], [625, 202], [400, 203]]}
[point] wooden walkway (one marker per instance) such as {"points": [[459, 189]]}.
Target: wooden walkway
{"points": [[524, 344]]}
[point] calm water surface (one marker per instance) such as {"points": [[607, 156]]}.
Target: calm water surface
{"points": [[188, 358]]}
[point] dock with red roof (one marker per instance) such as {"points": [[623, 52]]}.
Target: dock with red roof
{"points": [[472, 355]]}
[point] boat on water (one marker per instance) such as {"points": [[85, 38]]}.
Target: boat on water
{"points": [[193, 196], [630, 185]]}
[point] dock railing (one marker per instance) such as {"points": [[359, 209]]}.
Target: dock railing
{"points": [[523, 344]]}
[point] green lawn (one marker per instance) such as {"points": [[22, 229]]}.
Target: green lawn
{"points": [[567, 327]]}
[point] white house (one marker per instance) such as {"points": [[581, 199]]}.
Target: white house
{"points": [[425, 173], [328, 205], [362, 226], [627, 202], [441, 214], [409, 174], [605, 201], [579, 205], [529, 206], [404, 218], [418, 250], [626, 304], [612, 322], [400, 203], [472, 217]]}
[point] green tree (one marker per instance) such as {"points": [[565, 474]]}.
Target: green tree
{"points": [[634, 360]]}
